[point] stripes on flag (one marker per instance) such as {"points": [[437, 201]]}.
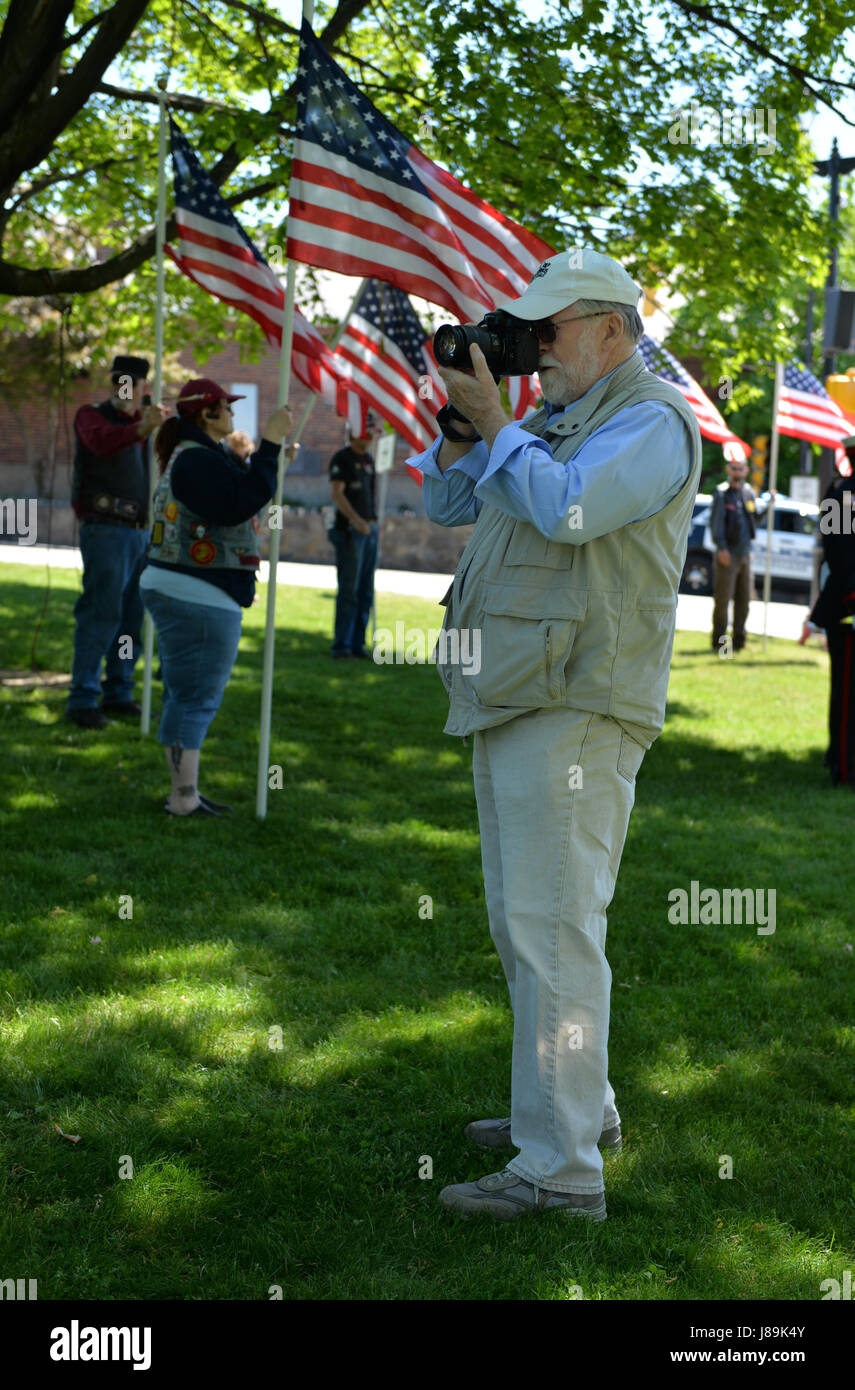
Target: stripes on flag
{"points": [[382, 348], [390, 359], [215, 252], [664, 364], [806, 411], [365, 201]]}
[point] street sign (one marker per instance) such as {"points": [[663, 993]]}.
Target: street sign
{"points": [[384, 453], [804, 489]]}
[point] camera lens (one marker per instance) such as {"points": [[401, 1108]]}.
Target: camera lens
{"points": [[449, 345]]}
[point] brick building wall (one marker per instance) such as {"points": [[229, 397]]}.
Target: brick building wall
{"points": [[408, 541]]}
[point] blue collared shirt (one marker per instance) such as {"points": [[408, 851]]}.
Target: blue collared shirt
{"points": [[625, 471]]}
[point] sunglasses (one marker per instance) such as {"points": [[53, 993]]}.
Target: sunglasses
{"points": [[546, 330]]}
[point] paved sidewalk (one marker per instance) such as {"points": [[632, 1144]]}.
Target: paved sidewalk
{"points": [[694, 614]]}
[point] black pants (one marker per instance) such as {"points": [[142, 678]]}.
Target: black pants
{"points": [[841, 712]]}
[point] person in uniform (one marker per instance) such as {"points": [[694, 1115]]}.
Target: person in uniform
{"points": [[569, 584], [110, 495], [354, 535], [834, 611], [201, 570], [733, 528]]}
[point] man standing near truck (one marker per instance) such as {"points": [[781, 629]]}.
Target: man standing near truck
{"points": [[733, 528]]}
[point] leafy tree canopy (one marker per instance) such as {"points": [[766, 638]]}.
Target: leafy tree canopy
{"points": [[568, 122]]}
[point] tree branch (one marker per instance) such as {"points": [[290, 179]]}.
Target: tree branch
{"points": [[90, 24], [719, 21], [27, 56], [271, 21], [23, 194], [31, 135], [180, 100]]}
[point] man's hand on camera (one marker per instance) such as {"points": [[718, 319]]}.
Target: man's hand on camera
{"points": [[476, 396]]}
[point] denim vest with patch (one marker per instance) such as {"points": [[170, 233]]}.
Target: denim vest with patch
{"points": [[180, 537]]}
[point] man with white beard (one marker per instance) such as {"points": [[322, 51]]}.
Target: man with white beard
{"points": [[581, 515]]}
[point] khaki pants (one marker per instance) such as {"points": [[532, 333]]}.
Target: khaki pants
{"points": [[555, 788], [732, 581]]}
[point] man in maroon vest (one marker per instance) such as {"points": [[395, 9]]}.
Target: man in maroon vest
{"points": [[110, 495]]}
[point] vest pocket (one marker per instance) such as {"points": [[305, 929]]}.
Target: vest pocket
{"points": [[642, 669], [527, 635], [528, 546]]}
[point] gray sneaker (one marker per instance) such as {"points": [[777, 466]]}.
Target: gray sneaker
{"points": [[506, 1197], [496, 1134]]}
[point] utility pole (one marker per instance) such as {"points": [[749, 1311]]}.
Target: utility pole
{"points": [[829, 168]]}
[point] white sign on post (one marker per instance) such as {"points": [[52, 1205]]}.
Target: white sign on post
{"points": [[804, 489], [384, 453]]}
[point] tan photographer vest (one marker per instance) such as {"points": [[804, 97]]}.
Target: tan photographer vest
{"points": [[588, 626]]}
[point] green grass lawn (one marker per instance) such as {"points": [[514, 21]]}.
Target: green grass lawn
{"points": [[299, 1166]]}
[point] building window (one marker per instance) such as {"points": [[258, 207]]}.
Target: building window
{"points": [[245, 413]]}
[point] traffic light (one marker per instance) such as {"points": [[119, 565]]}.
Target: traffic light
{"points": [[841, 389], [759, 459]]}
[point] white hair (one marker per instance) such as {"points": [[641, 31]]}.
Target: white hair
{"points": [[632, 325]]}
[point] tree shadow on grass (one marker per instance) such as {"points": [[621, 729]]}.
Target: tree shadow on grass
{"points": [[302, 1167]]}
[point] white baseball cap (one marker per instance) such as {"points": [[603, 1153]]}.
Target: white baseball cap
{"points": [[578, 273]]}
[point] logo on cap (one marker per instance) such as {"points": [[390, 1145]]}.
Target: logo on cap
{"points": [[541, 270]]}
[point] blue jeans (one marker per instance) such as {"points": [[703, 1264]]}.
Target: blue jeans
{"points": [[356, 560], [197, 644], [114, 557]]}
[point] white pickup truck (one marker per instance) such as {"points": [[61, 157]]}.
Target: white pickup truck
{"points": [[793, 531]]}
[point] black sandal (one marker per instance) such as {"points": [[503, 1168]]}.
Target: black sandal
{"points": [[200, 810]]}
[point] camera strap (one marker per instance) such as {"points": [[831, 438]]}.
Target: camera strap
{"points": [[444, 418]]}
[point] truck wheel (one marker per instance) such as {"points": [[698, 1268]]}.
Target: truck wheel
{"points": [[697, 573]]}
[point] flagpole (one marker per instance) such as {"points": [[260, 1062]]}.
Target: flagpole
{"points": [[773, 480], [381, 512], [273, 553], [273, 556], [160, 237]]}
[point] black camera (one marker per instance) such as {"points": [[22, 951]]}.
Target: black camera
{"points": [[510, 345]]}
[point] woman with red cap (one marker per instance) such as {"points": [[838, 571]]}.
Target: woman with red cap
{"points": [[201, 569]]}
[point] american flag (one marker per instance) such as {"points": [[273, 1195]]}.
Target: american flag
{"points": [[389, 357], [806, 411], [383, 348], [365, 201], [216, 253], [664, 364]]}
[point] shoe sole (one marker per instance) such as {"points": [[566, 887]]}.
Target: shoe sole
{"points": [[506, 1214]]}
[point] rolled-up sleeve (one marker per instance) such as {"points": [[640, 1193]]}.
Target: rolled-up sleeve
{"points": [[449, 497], [625, 471]]}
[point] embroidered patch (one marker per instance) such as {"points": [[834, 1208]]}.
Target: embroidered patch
{"points": [[170, 511], [202, 552]]}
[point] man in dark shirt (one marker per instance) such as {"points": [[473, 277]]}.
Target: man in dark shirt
{"points": [[110, 496], [354, 536], [732, 527], [834, 611]]}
